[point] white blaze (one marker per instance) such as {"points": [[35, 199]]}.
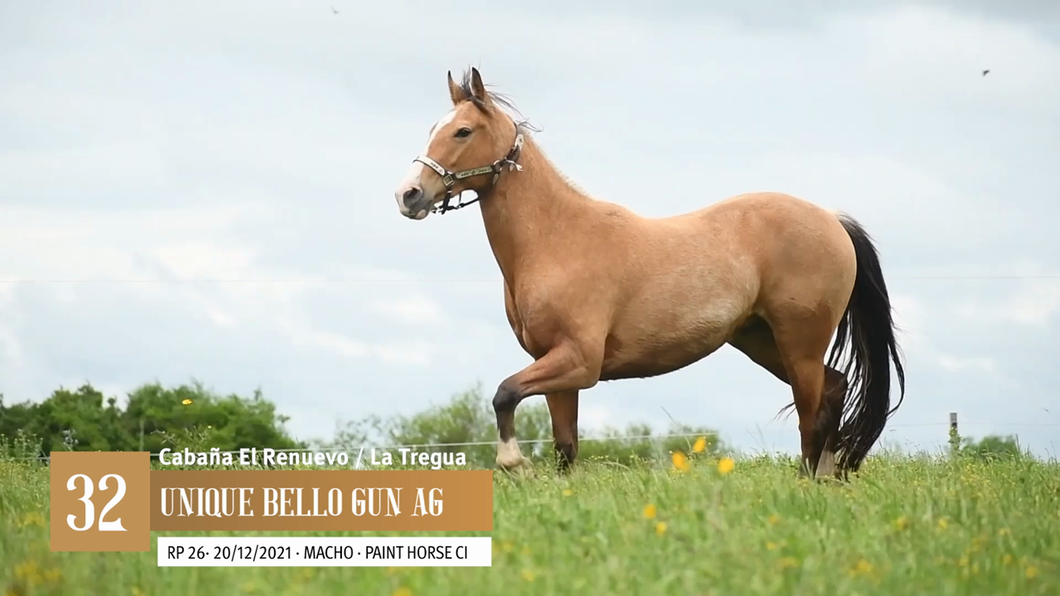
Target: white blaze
{"points": [[438, 126]]}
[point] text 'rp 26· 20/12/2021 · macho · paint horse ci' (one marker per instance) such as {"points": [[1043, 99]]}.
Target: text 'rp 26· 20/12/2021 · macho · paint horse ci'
{"points": [[595, 292]]}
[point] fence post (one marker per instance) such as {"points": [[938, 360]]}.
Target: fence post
{"points": [[955, 437]]}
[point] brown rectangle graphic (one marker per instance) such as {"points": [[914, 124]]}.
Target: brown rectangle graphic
{"points": [[343, 500]]}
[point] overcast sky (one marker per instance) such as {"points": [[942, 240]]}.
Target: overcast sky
{"points": [[144, 146]]}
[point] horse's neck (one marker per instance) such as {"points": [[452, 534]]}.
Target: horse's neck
{"points": [[533, 215]]}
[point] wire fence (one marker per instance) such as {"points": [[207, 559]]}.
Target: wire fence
{"points": [[615, 438]]}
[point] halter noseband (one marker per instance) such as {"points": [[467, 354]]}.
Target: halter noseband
{"points": [[450, 178]]}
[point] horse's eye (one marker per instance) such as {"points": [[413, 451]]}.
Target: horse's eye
{"points": [[463, 132]]}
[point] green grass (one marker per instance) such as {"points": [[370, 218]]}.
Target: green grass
{"points": [[905, 526]]}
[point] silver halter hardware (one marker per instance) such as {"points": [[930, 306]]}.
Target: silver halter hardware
{"points": [[449, 178]]}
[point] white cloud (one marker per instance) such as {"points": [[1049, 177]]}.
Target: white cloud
{"points": [[174, 257], [912, 317], [595, 416], [415, 353], [956, 363], [928, 54], [1033, 303], [332, 342], [118, 166], [417, 310], [11, 347]]}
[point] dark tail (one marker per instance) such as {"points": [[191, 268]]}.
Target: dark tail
{"points": [[868, 331]]}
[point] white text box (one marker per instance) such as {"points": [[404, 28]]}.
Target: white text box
{"points": [[324, 551]]}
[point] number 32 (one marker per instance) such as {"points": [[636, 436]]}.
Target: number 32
{"points": [[90, 510]]}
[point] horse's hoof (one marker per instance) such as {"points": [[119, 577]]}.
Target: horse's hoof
{"points": [[517, 465]]}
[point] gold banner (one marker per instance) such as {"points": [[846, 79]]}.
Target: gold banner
{"points": [[112, 501], [321, 500]]}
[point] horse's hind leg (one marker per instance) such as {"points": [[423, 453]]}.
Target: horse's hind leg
{"points": [[802, 339], [831, 411], [755, 339], [563, 408], [795, 355]]}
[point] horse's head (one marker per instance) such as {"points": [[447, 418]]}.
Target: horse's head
{"points": [[466, 150]]}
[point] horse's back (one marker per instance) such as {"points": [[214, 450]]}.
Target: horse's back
{"points": [[754, 248], [803, 254], [769, 203]]}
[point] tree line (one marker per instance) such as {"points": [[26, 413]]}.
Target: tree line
{"points": [[192, 416]]}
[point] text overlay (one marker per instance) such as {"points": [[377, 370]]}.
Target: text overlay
{"points": [[324, 551]]}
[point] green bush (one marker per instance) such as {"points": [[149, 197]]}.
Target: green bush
{"points": [[190, 416], [991, 447], [153, 418]]}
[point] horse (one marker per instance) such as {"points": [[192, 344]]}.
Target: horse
{"points": [[595, 292]]}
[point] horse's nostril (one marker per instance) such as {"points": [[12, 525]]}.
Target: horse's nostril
{"points": [[411, 194]]}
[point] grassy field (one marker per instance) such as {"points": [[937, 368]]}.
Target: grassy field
{"points": [[905, 526]]}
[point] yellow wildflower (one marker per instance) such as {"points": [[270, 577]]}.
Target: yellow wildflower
{"points": [[1006, 560], [774, 519], [567, 492], [901, 523], [680, 461], [660, 528], [186, 402], [726, 465], [527, 575], [700, 445], [649, 511], [786, 562], [33, 518], [862, 567], [1032, 572], [402, 591], [28, 571], [943, 524], [1004, 532], [771, 546]]}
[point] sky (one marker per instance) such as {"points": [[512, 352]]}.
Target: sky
{"points": [[204, 190]]}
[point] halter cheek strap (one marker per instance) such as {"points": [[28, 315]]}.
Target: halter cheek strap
{"points": [[449, 179]]}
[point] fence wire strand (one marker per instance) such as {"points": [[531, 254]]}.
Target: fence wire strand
{"points": [[586, 439]]}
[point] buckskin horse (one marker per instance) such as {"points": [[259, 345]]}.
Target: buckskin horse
{"points": [[595, 292]]}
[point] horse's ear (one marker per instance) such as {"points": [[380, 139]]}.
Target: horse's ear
{"points": [[478, 90], [455, 92]]}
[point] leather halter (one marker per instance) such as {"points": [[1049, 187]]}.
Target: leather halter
{"points": [[450, 178]]}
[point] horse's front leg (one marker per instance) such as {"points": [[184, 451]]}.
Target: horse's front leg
{"points": [[566, 367]]}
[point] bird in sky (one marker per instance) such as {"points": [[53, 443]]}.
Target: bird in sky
{"points": [[985, 72], [337, 12]]}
